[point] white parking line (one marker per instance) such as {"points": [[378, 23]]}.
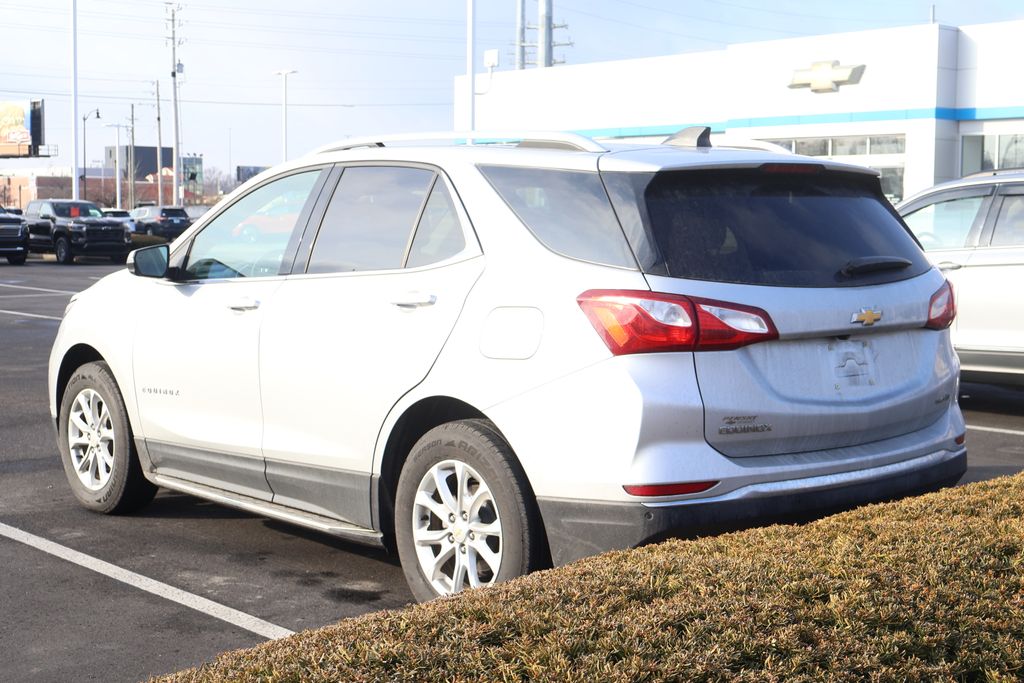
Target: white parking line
{"points": [[26, 296], [198, 603], [30, 315], [997, 430], [39, 289]]}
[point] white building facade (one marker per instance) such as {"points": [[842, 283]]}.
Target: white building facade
{"points": [[922, 104]]}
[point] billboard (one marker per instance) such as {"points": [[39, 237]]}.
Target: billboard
{"points": [[243, 173], [21, 128]]}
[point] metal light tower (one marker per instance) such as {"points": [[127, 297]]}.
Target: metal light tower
{"points": [[284, 73], [74, 96], [471, 64], [85, 156]]}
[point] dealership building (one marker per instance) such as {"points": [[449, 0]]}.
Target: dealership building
{"points": [[922, 104]]}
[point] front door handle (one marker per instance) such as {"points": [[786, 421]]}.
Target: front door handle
{"points": [[950, 265], [415, 300], [244, 304]]}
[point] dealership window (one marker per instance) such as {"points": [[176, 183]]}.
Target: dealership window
{"points": [[991, 153], [846, 145], [892, 183]]}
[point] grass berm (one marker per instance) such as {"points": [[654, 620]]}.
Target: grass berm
{"points": [[924, 589]]}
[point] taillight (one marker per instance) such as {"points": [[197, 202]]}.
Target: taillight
{"points": [[941, 308], [668, 489], [643, 322]]}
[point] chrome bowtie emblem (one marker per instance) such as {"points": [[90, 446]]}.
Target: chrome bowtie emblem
{"points": [[826, 76], [866, 317]]}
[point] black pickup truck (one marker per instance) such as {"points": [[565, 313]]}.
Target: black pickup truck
{"points": [[71, 228], [13, 237]]}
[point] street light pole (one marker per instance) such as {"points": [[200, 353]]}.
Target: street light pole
{"points": [[74, 97], [283, 73], [85, 155]]}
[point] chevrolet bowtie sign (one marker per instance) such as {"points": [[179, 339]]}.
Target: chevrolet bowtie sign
{"points": [[826, 76]]}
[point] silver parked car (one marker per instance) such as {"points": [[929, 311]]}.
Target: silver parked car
{"points": [[973, 229], [496, 357]]}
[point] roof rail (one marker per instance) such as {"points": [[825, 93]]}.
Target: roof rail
{"points": [[541, 139]]}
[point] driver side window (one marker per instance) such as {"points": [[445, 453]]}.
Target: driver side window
{"points": [[251, 237]]}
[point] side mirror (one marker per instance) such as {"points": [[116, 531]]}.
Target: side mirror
{"points": [[150, 261], [47, 216]]}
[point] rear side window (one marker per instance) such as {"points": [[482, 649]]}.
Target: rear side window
{"points": [[1009, 230], [370, 219], [568, 211], [760, 227]]}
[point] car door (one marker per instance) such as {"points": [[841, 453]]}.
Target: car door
{"points": [[39, 228], [385, 280], [948, 225], [196, 345], [991, 313]]}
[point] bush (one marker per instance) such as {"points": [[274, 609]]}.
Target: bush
{"points": [[923, 589]]}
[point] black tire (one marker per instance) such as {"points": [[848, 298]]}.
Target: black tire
{"points": [[126, 489], [478, 444], [62, 249], [17, 260]]}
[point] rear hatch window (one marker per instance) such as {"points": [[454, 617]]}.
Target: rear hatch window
{"points": [[173, 213], [779, 225]]}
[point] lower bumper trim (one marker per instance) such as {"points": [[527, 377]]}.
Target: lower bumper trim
{"points": [[578, 528]]}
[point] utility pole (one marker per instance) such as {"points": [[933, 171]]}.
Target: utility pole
{"points": [[544, 29], [132, 171], [175, 69], [471, 64], [284, 73], [520, 34], [74, 97], [117, 163], [159, 152]]}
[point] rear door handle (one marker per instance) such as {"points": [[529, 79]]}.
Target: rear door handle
{"points": [[245, 304], [415, 300], [950, 265]]}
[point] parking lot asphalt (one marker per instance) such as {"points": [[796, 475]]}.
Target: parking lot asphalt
{"points": [[64, 621]]}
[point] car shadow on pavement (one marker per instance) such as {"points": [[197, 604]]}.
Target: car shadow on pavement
{"points": [[992, 398]]}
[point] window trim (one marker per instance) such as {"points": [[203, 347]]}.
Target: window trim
{"points": [[179, 258]]}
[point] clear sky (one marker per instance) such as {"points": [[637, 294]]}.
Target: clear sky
{"points": [[363, 67]]}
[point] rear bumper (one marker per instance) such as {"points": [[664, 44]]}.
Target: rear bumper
{"points": [[578, 528]]}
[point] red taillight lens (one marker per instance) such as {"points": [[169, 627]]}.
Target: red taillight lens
{"points": [[941, 308], [642, 322], [668, 489]]}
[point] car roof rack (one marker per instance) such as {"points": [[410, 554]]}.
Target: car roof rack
{"points": [[534, 139]]}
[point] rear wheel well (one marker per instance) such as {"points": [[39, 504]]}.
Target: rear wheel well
{"points": [[417, 420], [77, 356]]}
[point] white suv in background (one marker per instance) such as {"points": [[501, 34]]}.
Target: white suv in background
{"points": [[973, 230], [494, 357]]}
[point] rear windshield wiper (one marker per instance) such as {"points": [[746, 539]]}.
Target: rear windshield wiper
{"points": [[873, 264]]}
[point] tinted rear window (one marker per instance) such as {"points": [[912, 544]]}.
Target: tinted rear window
{"points": [[755, 227], [173, 213], [568, 211]]}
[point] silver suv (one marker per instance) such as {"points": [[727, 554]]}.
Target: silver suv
{"points": [[973, 229], [493, 357]]}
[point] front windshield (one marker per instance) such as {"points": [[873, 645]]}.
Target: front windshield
{"points": [[77, 210]]}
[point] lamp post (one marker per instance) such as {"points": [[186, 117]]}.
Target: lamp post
{"points": [[85, 165], [284, 73]]}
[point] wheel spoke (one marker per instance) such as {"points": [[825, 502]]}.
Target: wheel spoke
{"points": [[81, 423], [85, 464], [83, 401], [78, 440], [107, 458], [447, 549], [423, 499], [95, 404], [106, 434], [482, 551], [489, 529], [430, 536], [460, 486], [480, 496], [441, 482], [459, 574], [104, 416]]}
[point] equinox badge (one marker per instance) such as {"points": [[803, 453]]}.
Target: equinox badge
{"points": [[866, 317]]}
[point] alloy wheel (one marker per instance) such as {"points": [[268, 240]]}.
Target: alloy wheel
{"points": [[91, 439]]}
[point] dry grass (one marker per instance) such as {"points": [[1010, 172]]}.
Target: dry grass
{"points": [[919, 590]]}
